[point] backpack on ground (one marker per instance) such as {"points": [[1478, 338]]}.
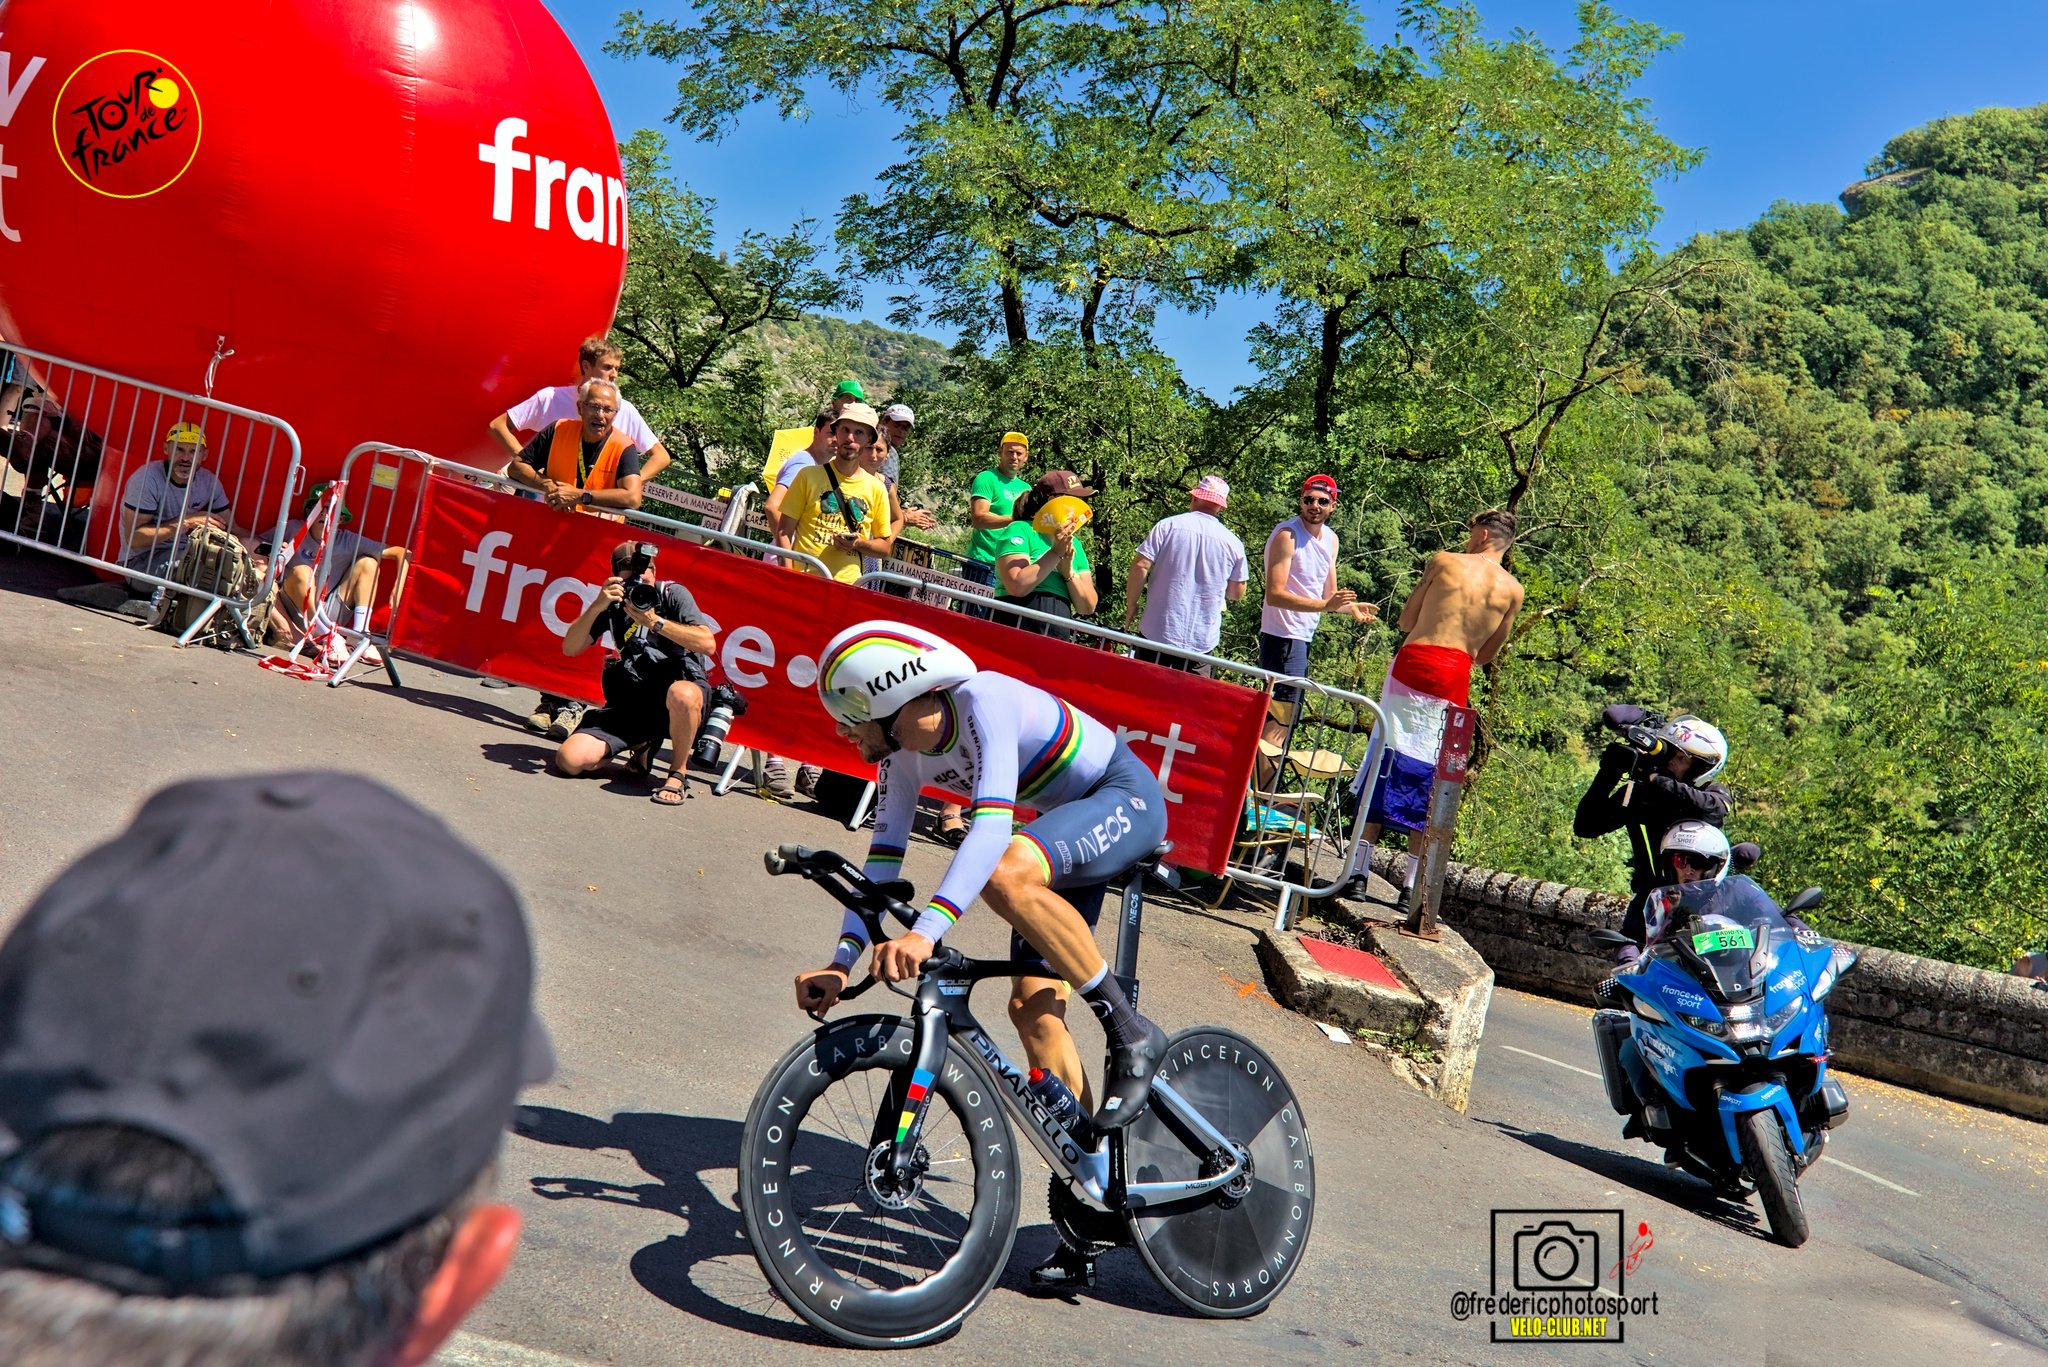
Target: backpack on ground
{"points": [[215, 564]]}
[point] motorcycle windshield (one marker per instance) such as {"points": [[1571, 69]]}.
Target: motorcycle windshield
{"points": [[1722, 931]]}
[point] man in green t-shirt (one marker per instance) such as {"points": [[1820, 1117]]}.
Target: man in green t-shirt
{"points": [[991, 498], [1047, 574]]}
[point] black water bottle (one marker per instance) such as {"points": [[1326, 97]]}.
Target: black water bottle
{"points": [[1053, 1093]]}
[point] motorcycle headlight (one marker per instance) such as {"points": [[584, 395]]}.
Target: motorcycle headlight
{"points": [[1782, 1017], [1649, 1012], [1706, 1025]]}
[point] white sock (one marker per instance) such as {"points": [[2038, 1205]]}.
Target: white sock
{"points": [[322, 623], [1409, 880], [1361, 861], [359, 619]]}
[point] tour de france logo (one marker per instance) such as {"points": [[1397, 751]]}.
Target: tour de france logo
{"points": [[126, 124]]}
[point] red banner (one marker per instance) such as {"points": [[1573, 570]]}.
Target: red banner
{"points": [[496, 581]]}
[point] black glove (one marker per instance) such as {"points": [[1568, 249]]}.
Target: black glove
{"points": [[1618, 715], [1616, 759]]}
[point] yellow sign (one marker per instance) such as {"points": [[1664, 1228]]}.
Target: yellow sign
{"points": [[788, 441]]}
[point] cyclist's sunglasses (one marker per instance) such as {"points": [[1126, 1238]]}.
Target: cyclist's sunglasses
{"points": [[1704, 863]]}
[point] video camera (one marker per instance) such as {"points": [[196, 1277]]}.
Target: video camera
{"points": [[641, 593], [1640, 735]]}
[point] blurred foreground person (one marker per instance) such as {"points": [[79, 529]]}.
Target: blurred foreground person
{"points": [[246, 1131]]}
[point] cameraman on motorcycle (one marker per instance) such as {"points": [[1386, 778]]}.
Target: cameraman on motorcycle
{"points": [[1661, 777]]}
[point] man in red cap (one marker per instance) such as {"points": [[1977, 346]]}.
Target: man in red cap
{"points": [[1301, 585]]}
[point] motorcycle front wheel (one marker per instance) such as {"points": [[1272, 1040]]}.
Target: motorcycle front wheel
{"points": [[1767, 1153], [872, 1264]]}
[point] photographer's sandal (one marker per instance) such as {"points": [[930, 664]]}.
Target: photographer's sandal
{"points": [[672, 793]]}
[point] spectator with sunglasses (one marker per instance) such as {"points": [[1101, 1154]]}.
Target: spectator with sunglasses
{"points": [[1301, 585]]}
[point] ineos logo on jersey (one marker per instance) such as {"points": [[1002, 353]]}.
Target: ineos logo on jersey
{"points": [[596, 204]]}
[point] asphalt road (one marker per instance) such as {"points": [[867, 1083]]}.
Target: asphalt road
{"points": [[665, 955]]}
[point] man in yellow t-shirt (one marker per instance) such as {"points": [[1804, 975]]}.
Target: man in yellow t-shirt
{"points": [[838, 511]]}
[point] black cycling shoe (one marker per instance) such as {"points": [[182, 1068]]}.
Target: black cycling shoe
{"points": [[1066, 1270], [1127, 1079], [1634, 1129]]}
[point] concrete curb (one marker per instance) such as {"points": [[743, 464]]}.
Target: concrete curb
{"points": [[1443, 1005]]}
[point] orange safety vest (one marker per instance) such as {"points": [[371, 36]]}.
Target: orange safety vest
{"points": [[565, 458]]}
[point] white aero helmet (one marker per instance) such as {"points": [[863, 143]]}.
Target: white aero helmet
{"points": [[1698, 839], [1700, 739], [871, 669]]}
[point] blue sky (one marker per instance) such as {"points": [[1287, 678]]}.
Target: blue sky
{"points": [[1789, 99]]}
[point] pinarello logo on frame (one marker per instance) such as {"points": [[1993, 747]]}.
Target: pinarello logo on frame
{"points": [[126, 123]]}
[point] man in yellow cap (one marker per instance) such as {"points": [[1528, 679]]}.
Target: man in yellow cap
{"points": [[162, 504]]}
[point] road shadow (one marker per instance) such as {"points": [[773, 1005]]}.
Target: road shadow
{"points": [[455, 704], [695, 1270], [1669, 1185], [525, 757], [708, 1268]]}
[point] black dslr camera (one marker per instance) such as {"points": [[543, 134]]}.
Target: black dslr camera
{"points": [[641, 593]]}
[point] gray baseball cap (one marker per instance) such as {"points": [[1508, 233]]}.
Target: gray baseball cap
{"points": [[343, 1053]]}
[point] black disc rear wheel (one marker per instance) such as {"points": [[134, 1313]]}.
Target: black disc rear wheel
{"points": [[1229, 1252], [871, 1262]]}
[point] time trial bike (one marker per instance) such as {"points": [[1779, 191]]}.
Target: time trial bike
{"points": [[880, 1183]]}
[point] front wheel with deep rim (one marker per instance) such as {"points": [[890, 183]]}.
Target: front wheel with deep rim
{"points": [[1229, 1252], [1767, 1151], [871, 1262]]}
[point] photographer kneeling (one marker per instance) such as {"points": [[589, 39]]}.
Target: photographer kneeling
{"points": [[1659, 778], [655, 686]]}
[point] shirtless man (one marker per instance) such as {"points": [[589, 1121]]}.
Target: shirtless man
{"points": [[1457, 617]]}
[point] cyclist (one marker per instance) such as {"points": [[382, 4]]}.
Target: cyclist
{"points": [[918, 708]]}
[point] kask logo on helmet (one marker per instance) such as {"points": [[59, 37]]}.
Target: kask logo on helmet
{"points": [[908, 670], [126, 123]]}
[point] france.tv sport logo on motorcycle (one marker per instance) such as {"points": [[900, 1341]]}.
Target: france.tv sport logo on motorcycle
{"points": [[1558, 1276]]}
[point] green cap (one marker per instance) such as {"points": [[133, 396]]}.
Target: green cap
{"points": [[852, 387], [313, 496]]}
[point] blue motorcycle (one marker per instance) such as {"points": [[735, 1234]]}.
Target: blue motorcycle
{"points": [[1721, 1055]]}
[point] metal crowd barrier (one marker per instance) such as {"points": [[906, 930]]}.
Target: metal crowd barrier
{"points": [[1295, 836], [83, 434], [730, 512], [385, 471]]}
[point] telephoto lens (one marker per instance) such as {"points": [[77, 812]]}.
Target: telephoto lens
{"points": [[726, 703]]}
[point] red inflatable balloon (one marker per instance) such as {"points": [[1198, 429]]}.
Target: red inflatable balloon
{"points": [[401, 215]]}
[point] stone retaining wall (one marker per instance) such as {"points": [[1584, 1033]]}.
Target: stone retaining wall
{"points": [[1958, 1032]]}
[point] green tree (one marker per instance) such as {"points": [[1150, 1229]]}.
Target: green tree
{"points": [[689, 317]]}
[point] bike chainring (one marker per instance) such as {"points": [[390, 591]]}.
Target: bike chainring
{"points": [[1081, 1226]]}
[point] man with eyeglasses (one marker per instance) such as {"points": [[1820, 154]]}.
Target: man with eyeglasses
{"points": [[1301, 585]]}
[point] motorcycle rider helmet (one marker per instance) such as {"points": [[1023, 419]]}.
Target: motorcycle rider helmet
{"points": [[871, 670], [1689, 735], [1699, 844]]}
